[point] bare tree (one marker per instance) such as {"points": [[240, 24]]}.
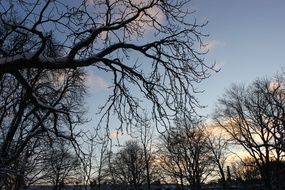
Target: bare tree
{"points": [[128, 166], [30, 166], [97, 169], [22, 120], [219, 147], [254, 118], [146, 140], [87, 160], [187, 155], [148, 46], [102, 161], [249, 170], [60, 165]]}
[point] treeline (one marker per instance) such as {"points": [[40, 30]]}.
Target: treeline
{"points": [[244, 142]]}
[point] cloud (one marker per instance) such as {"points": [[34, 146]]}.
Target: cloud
{"points": [[95, 82], [213, 44]]}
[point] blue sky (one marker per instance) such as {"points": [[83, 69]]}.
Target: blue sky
{"points": [[246, 41]]}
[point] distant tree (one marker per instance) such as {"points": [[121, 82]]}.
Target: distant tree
{"points": [[104, 159], [254, 118], [187, 155], [249, 170], [219, 147], [146, 140], [128, 166], [98, 164], [93, 157], [60, 165]]}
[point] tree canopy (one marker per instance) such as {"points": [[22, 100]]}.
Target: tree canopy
{"points": [[152, 46]]}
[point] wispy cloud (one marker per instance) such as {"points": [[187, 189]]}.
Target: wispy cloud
{"points": [[95, 82], [213, 44]]}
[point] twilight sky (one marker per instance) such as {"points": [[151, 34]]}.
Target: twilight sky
{"points": [[246, 40]]}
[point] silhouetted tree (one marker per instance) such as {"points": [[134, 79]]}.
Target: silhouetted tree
{"points": [[60, 165], [187, 155], [22, 122], [219, 147], [146, 140], [249, 170], [148, 47], [151, 47], [128, 165], [254, 118]]}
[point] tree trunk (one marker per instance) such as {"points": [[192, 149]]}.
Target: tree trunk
{"points": [[19, 182], [147, 167]]}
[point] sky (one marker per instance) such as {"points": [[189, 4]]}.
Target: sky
{"points": [[246, 41]]}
